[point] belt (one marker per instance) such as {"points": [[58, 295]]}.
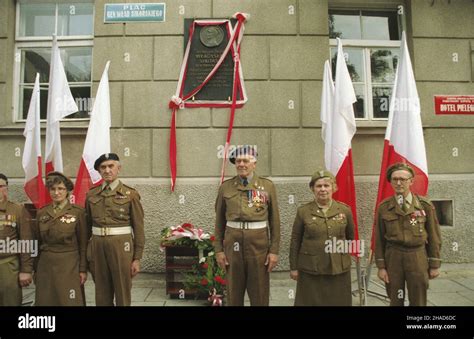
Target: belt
{"points": [[103, 231], [247, 225]]}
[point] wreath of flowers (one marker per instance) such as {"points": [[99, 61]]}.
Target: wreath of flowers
{"points": [[205, 277]]}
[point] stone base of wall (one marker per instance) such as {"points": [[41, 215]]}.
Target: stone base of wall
{"points": [[193, 201]]}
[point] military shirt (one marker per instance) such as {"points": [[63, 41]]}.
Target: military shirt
{"points": [[255, 202], [15, 224], [416, 227], [311, 229], [63, 231], [119, 207]]}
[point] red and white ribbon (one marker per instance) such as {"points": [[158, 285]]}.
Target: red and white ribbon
{"points": [[239, 95]]}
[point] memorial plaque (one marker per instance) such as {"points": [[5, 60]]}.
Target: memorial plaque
{"points": [[207, 44]]}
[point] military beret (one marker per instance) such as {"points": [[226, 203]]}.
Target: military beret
{"points": [[105, 157], [242, 151], [319, 175], [66, 181], [399, 166]]}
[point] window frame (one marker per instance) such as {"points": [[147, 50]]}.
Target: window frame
{"points": [[366, 46], [46, 42]]}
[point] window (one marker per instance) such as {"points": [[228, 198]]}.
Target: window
{"points": [[37, 21], [371, 47]]}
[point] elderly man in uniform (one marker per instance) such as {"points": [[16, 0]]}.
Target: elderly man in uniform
{"points": [[15, 268], [407, 240], [247, 230], [115, 216]]}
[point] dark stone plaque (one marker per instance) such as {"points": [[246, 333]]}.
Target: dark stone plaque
{"points": [[207, 45]]}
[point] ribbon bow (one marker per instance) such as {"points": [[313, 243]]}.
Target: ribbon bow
{"points": [[214, 298], [176, 103]]}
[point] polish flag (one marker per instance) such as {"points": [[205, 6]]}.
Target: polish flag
{"points": [[60, 104], [32, 162], [97, 141], [338, 129], [404, 140]]}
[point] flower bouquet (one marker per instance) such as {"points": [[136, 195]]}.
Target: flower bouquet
{"points": [[205, 277]]}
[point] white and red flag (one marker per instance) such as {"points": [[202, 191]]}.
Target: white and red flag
{"points": [[338, 129], [60, 104], [404, 141], [31, 161], [97, 141]]}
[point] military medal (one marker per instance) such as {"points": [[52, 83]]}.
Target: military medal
{"points": [[249, 199], [413, 222]]}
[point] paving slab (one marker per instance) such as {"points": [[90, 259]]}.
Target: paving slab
{"points": [[449, 299]]}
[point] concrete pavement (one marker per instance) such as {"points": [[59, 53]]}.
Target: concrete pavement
{"points": [[454, 287]]}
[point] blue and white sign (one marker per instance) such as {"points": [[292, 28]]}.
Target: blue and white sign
{"points": [[134, 12]]}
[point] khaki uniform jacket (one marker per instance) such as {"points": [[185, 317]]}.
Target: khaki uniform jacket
{"points": [[311, 229], [119, 208], [232, 204], [63, 232], [415, 228], [15, 223]]}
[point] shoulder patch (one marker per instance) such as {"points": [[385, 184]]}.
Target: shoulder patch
{"points": [[128, 188], [94, 190], [266, 179], [77, 207], [343, 204], [42, 209], [228, 181], [385, 201], [425, 200], [14, 204]]}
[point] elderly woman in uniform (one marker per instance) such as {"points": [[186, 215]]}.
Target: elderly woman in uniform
{"points": [[322, 271], [62, 233]]}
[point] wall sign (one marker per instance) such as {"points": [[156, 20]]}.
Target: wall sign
{"points": [[454, 104], [134, 12]]}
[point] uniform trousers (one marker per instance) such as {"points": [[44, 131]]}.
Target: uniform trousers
{"points": [[246, 251], [10, 290], [110, 260], [408, 265]]}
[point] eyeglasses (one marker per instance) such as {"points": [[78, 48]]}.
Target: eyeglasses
{"points": [[402, 180]]}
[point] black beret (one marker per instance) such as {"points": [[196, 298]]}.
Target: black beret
{"points": [[242, 151], [105, 157], [67, 182], [398, 167]]}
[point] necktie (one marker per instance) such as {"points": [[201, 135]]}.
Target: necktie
{"points": [[245, 182]]}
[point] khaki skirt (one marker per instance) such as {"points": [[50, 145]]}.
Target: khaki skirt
{"points": [[323, 290], [57, 280]]}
